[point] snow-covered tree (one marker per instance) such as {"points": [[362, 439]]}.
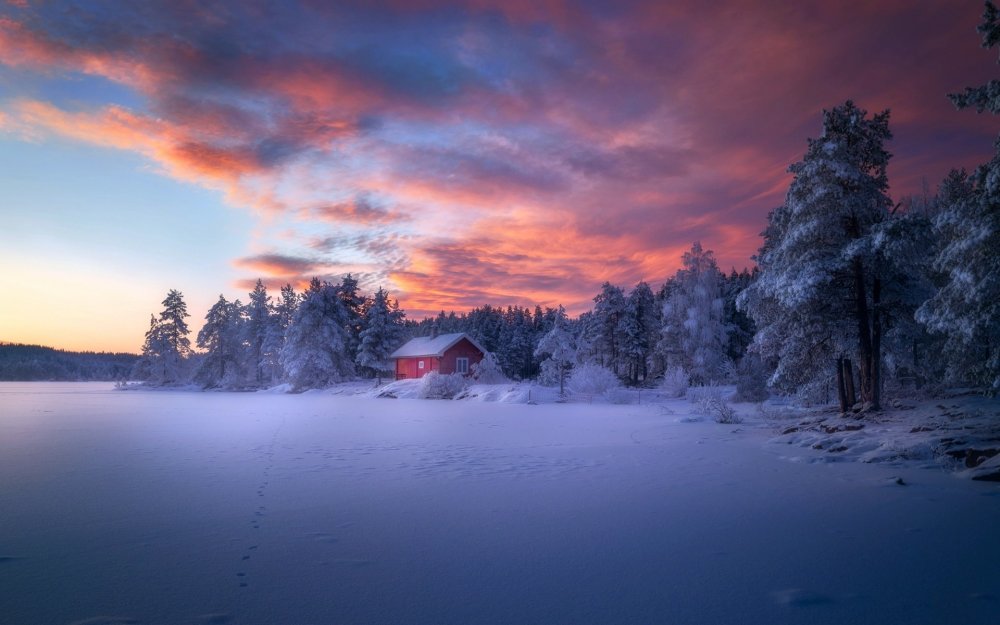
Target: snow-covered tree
{"points": [[967, 307], [149, 366], [274, 341], [741, 327], [285, 308], [222, 339], [488, 371], [638, 329], [609, 308], [353, 304], [259, 324], [903, 248], [485, 325], [167, 346], [380, 336], [173, 327], [694, 335], [558, 350], [516, 346], [819, 283], [315, 353], [984, 97]]}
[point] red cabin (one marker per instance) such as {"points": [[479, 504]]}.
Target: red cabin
{"points": [[446, 353]]}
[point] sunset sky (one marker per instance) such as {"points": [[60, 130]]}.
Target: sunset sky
{"points": [[456, 153]]}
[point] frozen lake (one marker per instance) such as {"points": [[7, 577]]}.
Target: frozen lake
{"points": [[174, 508]]}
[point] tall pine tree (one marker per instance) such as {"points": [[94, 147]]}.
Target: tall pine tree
{"points": [[694, 334], [315, 353], [222, 339], [167, 346], [819, 291], [966, 309], [259, 322], [558, 352], [380, 335]]}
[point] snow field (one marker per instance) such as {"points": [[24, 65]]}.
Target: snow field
{"points": [[180, 507]]}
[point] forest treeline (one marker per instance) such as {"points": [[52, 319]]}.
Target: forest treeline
{"points": [[331, 332], [20, 362]]}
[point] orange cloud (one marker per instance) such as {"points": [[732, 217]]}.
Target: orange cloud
{"points": [[516, 151], [278, 265]]}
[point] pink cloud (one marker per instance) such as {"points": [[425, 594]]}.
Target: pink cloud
{"points": [[505, 152]]}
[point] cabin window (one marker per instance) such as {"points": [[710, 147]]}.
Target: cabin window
{"points": [[420, 364], [461, 365]]}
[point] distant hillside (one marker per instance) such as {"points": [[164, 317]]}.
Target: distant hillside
{"points": [[25, 363]]}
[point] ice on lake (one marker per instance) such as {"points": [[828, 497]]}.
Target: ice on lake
{"points": [[170, 508]]}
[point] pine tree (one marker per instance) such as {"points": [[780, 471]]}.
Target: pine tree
{"points": [[167, 347], [741, 326], [694, 335], [818, 294], [966, 309], [609, 307], [558, 352], [638, 329], [149, 367], [903, 248], [315, 353], [485, 325], [353, 306], [984, 97], [258, 327], [382, 329], [221, 337], [516, 346], [274, 341], [174, 328]]}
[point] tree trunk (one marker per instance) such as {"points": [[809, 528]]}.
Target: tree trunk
{"points": [[841, 387], [876, 344], [849, 383], [861, 313], [256, 362]]}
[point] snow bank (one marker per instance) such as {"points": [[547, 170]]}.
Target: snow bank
{"points": [[960, 434]]}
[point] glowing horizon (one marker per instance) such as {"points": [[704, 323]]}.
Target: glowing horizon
{"points": [[456, 153]]}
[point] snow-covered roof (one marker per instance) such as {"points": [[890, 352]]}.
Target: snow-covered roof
{"points": [[432, 346]]}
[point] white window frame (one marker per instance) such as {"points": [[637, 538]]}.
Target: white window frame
{"points": [[420, 364], [462, 365]]}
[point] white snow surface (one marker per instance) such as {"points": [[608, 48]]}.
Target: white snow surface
{"points": [[172, 508]]}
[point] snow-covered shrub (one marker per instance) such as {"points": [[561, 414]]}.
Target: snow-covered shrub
{"points": [[698, 394], [720, 410], [710, 402], [728, 371], [487, 370], [675, 382], [818, 392], [592, 379], [751, 380], [775, 413], [437, 386], [549, 371]]}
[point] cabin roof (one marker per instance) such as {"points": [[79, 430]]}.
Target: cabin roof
{"points": [[432, 346]]}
